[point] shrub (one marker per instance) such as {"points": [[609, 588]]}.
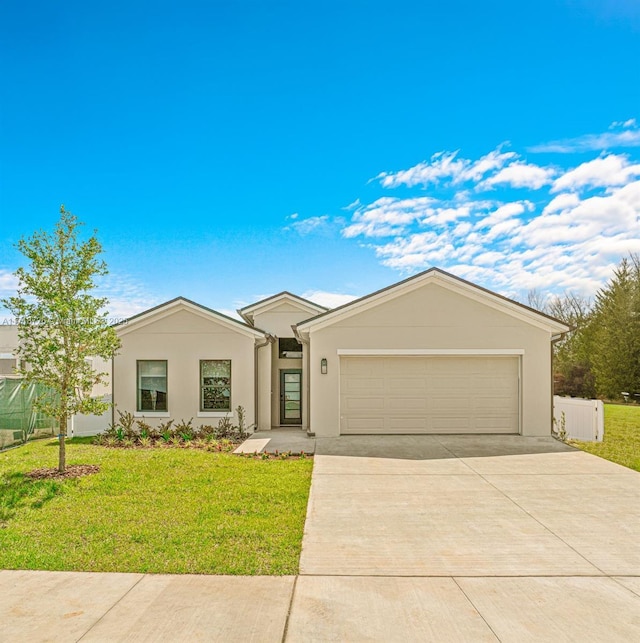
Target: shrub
{"points": [[131, 432]]}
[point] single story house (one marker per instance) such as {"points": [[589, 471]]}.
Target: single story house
{"points": [[431, 354]]}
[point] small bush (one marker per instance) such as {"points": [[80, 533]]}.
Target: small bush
{"points": [[129, 432]]}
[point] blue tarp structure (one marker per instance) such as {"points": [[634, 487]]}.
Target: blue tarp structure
{"points": [[19, 420]]}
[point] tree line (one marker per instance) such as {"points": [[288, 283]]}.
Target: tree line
{"points": [[600, 357]]}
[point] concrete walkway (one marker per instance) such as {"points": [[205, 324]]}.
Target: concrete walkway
{"points": [[280, 440], [426, 538]]}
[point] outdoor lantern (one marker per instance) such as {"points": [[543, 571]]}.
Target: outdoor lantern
{"points": [[323, 365]]}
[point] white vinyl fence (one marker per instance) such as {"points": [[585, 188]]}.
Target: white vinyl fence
{"points": [[581, 419], [83, 425]]}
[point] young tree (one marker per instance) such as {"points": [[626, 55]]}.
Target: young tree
{"points": [[60, 323]]}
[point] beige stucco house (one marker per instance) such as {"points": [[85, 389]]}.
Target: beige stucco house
{"points": [[430, 354]]}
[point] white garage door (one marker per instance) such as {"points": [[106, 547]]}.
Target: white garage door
{"points": [[429, 394]]}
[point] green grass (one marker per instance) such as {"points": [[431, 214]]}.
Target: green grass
{"points": [[152, 510], [621, 442]]}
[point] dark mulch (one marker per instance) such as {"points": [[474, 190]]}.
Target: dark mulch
{"points": [[72, 471]]}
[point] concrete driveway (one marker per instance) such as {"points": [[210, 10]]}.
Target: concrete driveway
{"points": [[464, 538], [425, 538]]}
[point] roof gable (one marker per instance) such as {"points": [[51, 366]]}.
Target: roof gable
{"points": [[181, 303], [446, 280], [293, 302]]}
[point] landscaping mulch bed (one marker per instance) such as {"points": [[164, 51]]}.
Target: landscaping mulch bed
{"points": [[72, 471]]}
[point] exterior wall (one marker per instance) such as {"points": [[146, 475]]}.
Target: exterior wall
{"points": [[8, 338], [278, 321], [8, 345], [183, 338], [432, 317], [100, 365], [264, 387]]}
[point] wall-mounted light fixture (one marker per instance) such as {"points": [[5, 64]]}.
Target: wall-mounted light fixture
{"points": [[323, 365]]}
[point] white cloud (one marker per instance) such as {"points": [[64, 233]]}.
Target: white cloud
{"points": [[577, 223], [310, 224], [561, 202], [387, 216], [605, 171], [519, 175], [570, 244], [8, 283], [488, 258], [328, 299], [628, 136], [416, 251], [445, 167], [488, 163], [504, 212], [462, 229], [631, 122], [440, 216], [126, 296]]}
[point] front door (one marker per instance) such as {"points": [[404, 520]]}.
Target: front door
{"points": [[291, 396]]}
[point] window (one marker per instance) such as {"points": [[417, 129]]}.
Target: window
{"points": [[7, 365], [152, 385], [289, 347], [215, 385]]}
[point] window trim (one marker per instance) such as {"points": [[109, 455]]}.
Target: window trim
{"points": [[202, 412], [140, 412]]}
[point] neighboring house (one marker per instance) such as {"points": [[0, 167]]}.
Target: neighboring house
{"points": [[430, 354], [78, 424], [8, 346]]}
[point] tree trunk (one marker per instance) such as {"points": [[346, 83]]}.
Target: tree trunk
{"points": [[62, 434]]}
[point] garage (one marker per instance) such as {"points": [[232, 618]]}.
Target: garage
{"points": [[405, 394], [431, 354]]}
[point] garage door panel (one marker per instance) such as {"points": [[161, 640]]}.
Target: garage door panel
{"points": [[456, 424], [406, 425], [360, 384], [450, 382], [365, 425], [414, 369], [452, 404], [490, 405], [400, 384], [429, 394], [365, 404], [405, 405], [495, 424]]}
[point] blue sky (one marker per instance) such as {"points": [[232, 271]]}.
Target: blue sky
{"points": [[226, 151]]}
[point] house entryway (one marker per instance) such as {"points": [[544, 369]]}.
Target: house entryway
{"points": [[291, 396]]}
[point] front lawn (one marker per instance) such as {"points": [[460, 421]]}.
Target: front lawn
{"points": [[165, 510], [621, 442]]}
